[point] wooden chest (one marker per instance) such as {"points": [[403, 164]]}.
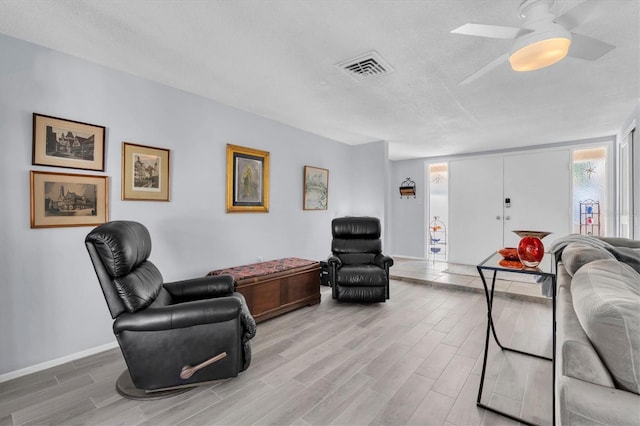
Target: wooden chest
{"points": [[277, 286]]}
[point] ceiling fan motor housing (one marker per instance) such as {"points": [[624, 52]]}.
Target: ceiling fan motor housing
{"points": [[533, 9], [548, 42]]}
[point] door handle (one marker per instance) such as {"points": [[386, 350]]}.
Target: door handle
{"points": [[497, 217], [508, 217]]}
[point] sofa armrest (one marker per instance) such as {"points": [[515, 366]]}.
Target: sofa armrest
{"points": [[582, 403], [180, 316], [201, 288]]}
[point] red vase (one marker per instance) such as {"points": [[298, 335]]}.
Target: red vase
{"points": [[530, 247]]}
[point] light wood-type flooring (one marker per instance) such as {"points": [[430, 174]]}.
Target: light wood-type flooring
{"points": [[413, 360]]}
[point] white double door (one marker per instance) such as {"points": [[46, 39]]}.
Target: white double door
{"points": [[491, 196]]}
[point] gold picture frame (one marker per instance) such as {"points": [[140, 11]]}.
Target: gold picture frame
{"points": [[315, 188], [66, 199], [145, 172], [59, 142], [247, 180]]}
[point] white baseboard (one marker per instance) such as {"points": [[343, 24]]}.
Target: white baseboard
{"points": [[402, 256], [48, 364]]}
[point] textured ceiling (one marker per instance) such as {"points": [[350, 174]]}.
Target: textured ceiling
{"points": [[276, 58]]}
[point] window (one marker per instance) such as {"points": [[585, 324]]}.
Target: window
{"points": [[590, 191], [438, 212]]}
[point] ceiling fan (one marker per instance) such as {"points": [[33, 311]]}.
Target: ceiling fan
{"points": [[543, 39]]}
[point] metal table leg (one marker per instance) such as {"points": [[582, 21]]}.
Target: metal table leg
{"points": [[553, 353], [491, 330]]}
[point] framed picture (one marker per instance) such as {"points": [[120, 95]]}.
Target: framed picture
{"points": [[65, 199], [59, 142], [316, 188], [247, 180], [145, 173]]}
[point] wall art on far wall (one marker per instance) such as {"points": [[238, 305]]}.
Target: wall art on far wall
{"points": [[247, 180], [145, 173], [59, 142], [316, 188], [64, 199]]}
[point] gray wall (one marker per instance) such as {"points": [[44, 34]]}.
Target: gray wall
{"points": [[408, 215], [51, 305]]}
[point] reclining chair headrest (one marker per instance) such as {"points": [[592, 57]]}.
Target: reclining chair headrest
{"points": [[356, 227], [122, 245]]}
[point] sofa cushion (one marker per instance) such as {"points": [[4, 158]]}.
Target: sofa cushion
{"points": [[606, 298], [575, 255], [139, 288], [361, 275], [577, 357], [583, 403]]}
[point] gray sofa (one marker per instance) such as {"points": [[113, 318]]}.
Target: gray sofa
{"points": [[598, 333]]}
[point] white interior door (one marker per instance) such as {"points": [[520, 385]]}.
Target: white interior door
{"points": [[475, 209], [538, 186]]}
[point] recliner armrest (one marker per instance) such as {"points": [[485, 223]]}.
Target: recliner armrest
{"points": [[246, 319], [199, 288], [383, 261], [179, 316], [334, 262]]}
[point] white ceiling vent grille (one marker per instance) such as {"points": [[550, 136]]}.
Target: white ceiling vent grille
{"points": [[365, 66]]}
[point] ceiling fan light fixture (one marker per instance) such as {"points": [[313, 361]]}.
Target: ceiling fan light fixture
{"points": [[540, 49]]}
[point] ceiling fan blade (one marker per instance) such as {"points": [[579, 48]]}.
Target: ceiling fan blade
{"points": [[482, 71], [588, 48], [490, 31], [582, 13]]}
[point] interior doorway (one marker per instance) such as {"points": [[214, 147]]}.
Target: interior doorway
{"points": [[492, 196]]}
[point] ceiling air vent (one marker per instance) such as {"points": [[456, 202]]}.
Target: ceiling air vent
{"points": [[365, 66]]}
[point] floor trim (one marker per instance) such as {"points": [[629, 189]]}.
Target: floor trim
{"points": [[469, 289], [54, 362]]}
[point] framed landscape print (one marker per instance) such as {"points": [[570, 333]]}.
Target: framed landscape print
{"points": [[316, 188], [145, 173], [65, 199], [247, 180], [59, 142]]}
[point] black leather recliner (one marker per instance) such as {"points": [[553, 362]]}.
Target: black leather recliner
{"points": [[172, 335], [358, 271]]}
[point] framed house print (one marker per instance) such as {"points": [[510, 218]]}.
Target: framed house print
{"points": [[59, 142], [64, 199], [145, 173], [247, 180], [316, 188]]}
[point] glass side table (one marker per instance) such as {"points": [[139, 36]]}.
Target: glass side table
{"points": [[546, 272]]}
